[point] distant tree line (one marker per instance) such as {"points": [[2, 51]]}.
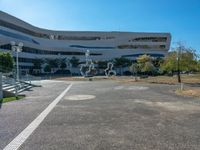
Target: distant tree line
{"points": [[180, 60]]}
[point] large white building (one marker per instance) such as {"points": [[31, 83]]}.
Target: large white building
{"points": [[43, 44]]}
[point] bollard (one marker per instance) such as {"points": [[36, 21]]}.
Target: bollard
{"points": [[182, 86], [16, 91]]}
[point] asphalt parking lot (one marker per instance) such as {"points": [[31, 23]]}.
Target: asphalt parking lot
{"points": [[104, 115]]}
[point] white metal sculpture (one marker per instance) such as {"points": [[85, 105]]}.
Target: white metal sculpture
{"points": [[87, 68], [109, 70]]}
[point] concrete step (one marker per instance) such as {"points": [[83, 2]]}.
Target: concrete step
{"points": [[21, 87], [11, 90], [8, 87], [20, 90], [5, 85], [24, 89]]}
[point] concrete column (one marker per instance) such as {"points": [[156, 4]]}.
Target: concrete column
{"points": [[1, 90]]}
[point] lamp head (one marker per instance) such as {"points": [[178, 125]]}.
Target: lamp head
{"points": [[20, 44]]}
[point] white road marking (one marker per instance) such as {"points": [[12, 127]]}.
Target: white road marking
{"points": [[135, 88], [138, 88], [79, 97], [22, 137], [119, 87]]}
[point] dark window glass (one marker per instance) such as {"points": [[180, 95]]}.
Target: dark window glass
{"points": [[149, 39], [43, 35], [46, 52], [137, 55], [95, 47], [17, 36]]}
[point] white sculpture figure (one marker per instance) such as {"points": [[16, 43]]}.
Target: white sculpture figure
{"points": [[109, 70], [88, 67], [87, 55]]}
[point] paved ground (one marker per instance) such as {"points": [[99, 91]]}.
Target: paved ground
{"points": [[119, 116]]}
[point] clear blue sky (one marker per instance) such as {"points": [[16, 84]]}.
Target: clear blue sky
{"points": [[179, 17]]}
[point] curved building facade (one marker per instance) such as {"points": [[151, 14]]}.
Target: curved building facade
{"points": [[48, 44]]}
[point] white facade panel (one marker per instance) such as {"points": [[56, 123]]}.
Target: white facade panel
{"points": [[43, 44]]}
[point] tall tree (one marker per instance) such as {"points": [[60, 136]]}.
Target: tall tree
{"points": [[149, 68], [121, 62], [74, 61], [54, 63], [157, 62], [170, 63], [37, 64], [47, 68], [102, 64], [63, 65], [144, 58], [134, 69], [6, 62], [198, 66], [180, 59], [145, 64]]}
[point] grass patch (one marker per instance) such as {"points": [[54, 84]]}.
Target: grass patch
{"points": [[194, 92], [9, 99], [189, 79], [171, 80]]}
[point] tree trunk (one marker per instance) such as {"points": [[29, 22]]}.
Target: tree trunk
{"points": [[178, 71], [135, 76], [121, 70], [179, 77]]}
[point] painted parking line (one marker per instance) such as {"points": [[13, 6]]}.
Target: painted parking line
{"points": [[23, 136]]}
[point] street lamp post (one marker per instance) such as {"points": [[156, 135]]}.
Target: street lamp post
{"points": [[17, 48], [87, 55]]}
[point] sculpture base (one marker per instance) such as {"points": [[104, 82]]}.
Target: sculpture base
{"points": [[89, 76]]}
